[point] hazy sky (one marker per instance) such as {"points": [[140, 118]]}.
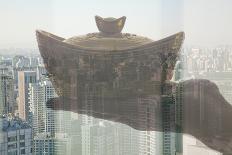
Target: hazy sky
{"points": [[205, 22]]}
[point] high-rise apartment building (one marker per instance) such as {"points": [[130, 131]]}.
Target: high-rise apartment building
{"points": [[43, 117], [7, 104], [24, 79], [45, 144], [53, 131]]}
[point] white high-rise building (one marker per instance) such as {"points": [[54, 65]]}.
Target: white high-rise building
{"points": [[51, 128], [150, 141], [43, 117], [45, 144]]}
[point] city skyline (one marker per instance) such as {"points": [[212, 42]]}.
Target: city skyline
{"points": [[107, 90], [199, 63]]}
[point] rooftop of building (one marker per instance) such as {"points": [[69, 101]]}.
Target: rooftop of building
{"points": [[48, 135], [12, 123]]}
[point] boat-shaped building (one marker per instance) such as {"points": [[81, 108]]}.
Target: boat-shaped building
{"points": [[115, 76]]}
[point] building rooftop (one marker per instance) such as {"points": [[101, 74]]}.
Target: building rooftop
{"points": [[48, 135], [10, 123]]}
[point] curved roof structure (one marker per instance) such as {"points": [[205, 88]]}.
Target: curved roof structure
{"points": [[109, 70], [79, 45], [110, 39]]}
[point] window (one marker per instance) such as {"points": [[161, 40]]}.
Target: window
{"points": [[12, 139], [22, 137], [12, 153], [23, 151], [22, 144], [12, 146]]}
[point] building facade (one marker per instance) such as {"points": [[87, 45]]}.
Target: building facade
{"points": [[7, 104], [25, 77], [15, 137], [43, 117]]}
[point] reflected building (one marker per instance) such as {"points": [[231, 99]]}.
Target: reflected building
{"points": [[46, 144], [43, 117], [119, 77], [98, 139], [53, 131]]}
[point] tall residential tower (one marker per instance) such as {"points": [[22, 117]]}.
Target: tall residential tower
{"points": [[25, 78]]}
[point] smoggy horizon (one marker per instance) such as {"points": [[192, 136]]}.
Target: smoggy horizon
{"points": [[205, 24]]}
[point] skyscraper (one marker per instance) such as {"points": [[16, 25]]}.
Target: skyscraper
{"points": [[45, 144], [6, 94], [53, 131], [24, 78], [43, 117]]}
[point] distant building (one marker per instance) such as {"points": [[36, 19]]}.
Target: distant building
{"points": [[21, 61], [223, 81], [15, 72], [53, 131], [4, 69], [24, 78], [33, 61], [41, 71], [169, 135], [45, 144], [15, 137], [43, 117], [98, 139], [6, 94], [6, 61]]}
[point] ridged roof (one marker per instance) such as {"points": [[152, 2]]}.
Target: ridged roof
{"points": [[99, 41]]}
